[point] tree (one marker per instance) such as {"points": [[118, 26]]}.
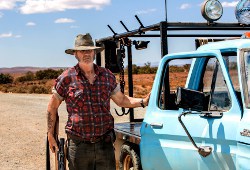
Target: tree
{"points": [[146, 69], [6, 78], [135, 69], [48, 74], [29, 76]]}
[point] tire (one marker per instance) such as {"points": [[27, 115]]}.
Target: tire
{"points": [[129, 157]]}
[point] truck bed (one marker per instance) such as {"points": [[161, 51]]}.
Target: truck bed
{"points": [[129, 131]]}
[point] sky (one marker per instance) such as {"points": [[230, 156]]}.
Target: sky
{"points": [[37, 32]]}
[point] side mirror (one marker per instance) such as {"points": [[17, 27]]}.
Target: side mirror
{"points": [[190, 99]]}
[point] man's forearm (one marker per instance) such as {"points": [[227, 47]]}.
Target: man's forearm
{"points": [[130, 102], [52, 114], [51, 121]]}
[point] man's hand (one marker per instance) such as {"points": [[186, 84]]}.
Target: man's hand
{"points": [[146, 99], [52, 143]]}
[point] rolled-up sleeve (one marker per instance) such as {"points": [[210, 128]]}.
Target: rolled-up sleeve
{"points": [[60, 86]]}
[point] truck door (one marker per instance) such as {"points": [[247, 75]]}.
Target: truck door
{"points": [[164, 142], [243, 134]]}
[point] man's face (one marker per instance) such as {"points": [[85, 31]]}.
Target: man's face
{"points": [[86, 56]]}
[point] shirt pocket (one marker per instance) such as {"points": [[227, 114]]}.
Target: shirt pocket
{"points": [[76, 96]]}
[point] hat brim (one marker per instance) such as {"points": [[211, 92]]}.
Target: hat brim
{"points": [[82, 48]]}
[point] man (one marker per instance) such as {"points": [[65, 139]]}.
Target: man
{"points": [[87, 88]]}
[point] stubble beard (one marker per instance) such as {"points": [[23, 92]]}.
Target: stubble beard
{"points": [[87, 59]]}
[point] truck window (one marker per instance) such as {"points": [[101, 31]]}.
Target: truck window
{"points": [[246, 77], [215, 87], [231, 63], [174, 75]]}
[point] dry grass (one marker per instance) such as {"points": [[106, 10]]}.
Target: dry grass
{"points": [[142, 84]]}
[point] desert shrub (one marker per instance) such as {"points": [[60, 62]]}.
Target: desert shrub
{"points": [[29, 76], [38, 89], [48, 74], [3, 89], [6, 78], [175, 68], [135, 69], [146, 69], [19, 89]]}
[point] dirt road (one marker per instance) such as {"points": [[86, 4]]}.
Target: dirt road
{"points": [[23, 130]]}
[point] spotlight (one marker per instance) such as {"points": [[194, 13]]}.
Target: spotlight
{"points": [[140, 45], [246, 35], [242, 12], [212, 10]]}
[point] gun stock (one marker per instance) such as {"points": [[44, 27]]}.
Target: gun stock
{"points": [[60, 158]]}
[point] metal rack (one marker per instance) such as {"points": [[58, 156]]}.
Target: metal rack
{"points": [[164, 30]]}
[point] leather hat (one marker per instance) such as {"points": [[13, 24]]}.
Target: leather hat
{"points": [[83, 42]]}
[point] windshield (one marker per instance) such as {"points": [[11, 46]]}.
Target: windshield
{"points": [[245, 72]]}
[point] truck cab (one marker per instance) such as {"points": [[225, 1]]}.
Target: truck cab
{"points": [[173, 134]]}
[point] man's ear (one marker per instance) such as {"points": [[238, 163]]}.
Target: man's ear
{"points": [[76, 57]]}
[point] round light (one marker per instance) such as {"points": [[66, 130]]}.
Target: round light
{"points": [[212, 10], [246, 35], [242, 12]]}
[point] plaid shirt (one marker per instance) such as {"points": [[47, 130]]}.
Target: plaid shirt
{"points": [[88, 105]]}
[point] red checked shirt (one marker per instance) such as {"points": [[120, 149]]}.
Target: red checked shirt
{"points": [[88, 105]]}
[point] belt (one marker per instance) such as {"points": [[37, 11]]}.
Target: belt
{"points": [[89, 140]]}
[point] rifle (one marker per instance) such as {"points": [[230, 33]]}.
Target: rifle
{"points": [[60, 158], [61, 155]]}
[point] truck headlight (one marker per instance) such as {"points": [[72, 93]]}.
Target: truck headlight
{"points": [[242, 12], [212, 10]]}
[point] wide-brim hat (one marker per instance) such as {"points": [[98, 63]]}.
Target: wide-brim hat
{"points": [[83, 42]]}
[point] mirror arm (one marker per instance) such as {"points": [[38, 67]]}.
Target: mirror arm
{"points": [[185, 129], [203, 150]]}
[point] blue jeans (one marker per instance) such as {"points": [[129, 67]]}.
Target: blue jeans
{"points": [[85, 156]]}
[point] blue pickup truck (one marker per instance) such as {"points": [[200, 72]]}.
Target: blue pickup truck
{"points": [[203, 125], [198, 115]]}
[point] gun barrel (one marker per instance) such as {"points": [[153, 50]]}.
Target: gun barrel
{"points": [[61, 155]]}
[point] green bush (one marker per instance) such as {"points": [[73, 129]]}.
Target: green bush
{"points": [[48, 74], [146, 69], [6, 78], [29, 76]]}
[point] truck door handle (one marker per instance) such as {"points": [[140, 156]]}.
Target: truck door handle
{"points": [[156, 125]]}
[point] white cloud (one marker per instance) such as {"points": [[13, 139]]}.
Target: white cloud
{"points": [[6, 35], [229, 4], [46, 6], [146, 11], [31, 24], [7, 4], [185, 6], [64, 20], [9, 35]]}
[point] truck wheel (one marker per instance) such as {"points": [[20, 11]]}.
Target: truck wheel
{"points": [[129, 158]]}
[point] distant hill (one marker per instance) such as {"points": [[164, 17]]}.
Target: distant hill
{"points": [[26, 69]]}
